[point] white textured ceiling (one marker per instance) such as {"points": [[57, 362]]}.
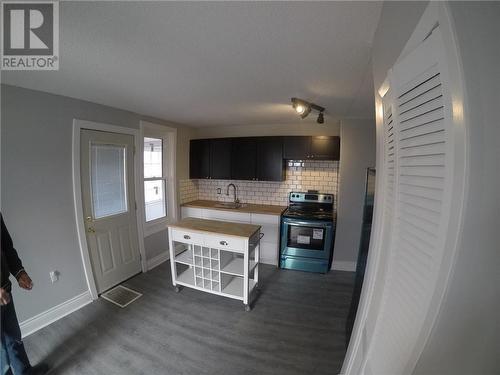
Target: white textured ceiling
{"points": [[215, 63]]}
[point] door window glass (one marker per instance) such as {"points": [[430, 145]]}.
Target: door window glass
{"points": [[108, 180]]}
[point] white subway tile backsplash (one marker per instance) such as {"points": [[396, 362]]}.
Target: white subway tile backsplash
{"points": [[300, 176]]}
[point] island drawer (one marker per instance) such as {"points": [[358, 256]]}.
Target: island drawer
{"points": [[225, 242], [187, 236]]}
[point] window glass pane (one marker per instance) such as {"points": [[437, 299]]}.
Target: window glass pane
{"points": [[153, 157], [154, 196], [108, 180]]}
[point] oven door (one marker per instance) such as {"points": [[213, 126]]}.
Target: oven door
{"points": [[306, 238]]}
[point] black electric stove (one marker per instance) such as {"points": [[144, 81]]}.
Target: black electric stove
{"points": [[308, 232]]}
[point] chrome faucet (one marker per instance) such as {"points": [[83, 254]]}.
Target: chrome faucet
{"points": [[236, 200]]}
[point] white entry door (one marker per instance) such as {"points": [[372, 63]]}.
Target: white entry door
{"points": [[107, 175]]}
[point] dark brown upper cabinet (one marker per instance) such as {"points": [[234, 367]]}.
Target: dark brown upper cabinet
{"points": [[316, 147], [199, 158], [270, 162], [244, 159], [296, 147], [325, 148], [257, 159], [210, 158], [220, 158]]}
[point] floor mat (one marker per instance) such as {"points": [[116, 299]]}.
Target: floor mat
{"points": [[121, 296]]}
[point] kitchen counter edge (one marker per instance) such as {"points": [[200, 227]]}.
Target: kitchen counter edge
{"points": [[250, 208]]}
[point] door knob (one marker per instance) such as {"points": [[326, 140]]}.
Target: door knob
{"points": [[88, 218]]}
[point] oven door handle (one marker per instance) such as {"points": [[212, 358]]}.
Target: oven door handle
{"points": [[306, 224]]}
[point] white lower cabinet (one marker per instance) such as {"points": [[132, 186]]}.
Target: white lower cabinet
{"points": [[215, 263], [238, 217], [270, 227], [191, 212]]}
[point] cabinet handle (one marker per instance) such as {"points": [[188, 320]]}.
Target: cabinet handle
{"points": [[224, 243], [187, 237]]}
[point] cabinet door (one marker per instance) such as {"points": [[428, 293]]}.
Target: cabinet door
{"points": [[325, 148], [220, 158], [243, 159], [296, 148], [270, 163], [199, 158]]}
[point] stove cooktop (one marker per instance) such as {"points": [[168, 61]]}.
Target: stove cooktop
{"points": [[298, 213], [310, 206]]}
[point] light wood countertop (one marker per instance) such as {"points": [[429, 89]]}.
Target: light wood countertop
{"points": [[265, 209], [215, 226]]}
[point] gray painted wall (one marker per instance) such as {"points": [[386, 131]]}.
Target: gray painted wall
{"points": [[156, 244], [466, 336], [357, 153], [37, 191]]}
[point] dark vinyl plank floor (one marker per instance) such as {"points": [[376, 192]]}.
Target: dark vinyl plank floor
{"points": [[297, 326]]}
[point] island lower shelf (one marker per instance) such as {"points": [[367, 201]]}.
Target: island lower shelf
{"points": [[215, 262], [233, 289]]}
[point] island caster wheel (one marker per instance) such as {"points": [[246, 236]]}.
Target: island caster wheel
{"points": [[248, 308], [177, 289]]}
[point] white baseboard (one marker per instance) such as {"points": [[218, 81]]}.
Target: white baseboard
{"points": [[157, 260], [343, 266], [45, 318]]}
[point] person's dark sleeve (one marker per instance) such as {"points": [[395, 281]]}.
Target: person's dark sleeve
{"points": [[13, 262]]}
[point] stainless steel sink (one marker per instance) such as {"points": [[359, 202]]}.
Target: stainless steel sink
{"points": [[229, 205]]}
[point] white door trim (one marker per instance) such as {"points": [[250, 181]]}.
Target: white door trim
{"points": [[78, 125]]}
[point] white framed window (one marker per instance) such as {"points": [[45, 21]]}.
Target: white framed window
{"points": [[155, 179], [158, 174]]}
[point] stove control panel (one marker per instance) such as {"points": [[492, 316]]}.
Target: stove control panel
{"points": [[298, 197]]}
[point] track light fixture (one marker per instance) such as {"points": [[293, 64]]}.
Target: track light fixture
{"points": [[303, 108]]}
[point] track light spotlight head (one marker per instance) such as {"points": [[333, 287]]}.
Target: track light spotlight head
{"points": [[321, 118], [302, 107]]}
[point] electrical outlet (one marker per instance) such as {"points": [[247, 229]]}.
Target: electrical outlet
{"points": [[219, 191], [54, 276]]}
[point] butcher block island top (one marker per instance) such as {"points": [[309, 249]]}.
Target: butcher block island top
{"points": [[217, 227], [265, 209]]}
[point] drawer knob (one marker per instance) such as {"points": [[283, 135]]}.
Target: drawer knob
{"points": [[224, 243], [187, 237]]}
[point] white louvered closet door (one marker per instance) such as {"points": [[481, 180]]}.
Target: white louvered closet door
{"points": [[418, 180]]}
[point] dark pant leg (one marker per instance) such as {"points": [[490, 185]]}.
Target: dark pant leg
{"points": [[11, 338], [4, 360]]}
